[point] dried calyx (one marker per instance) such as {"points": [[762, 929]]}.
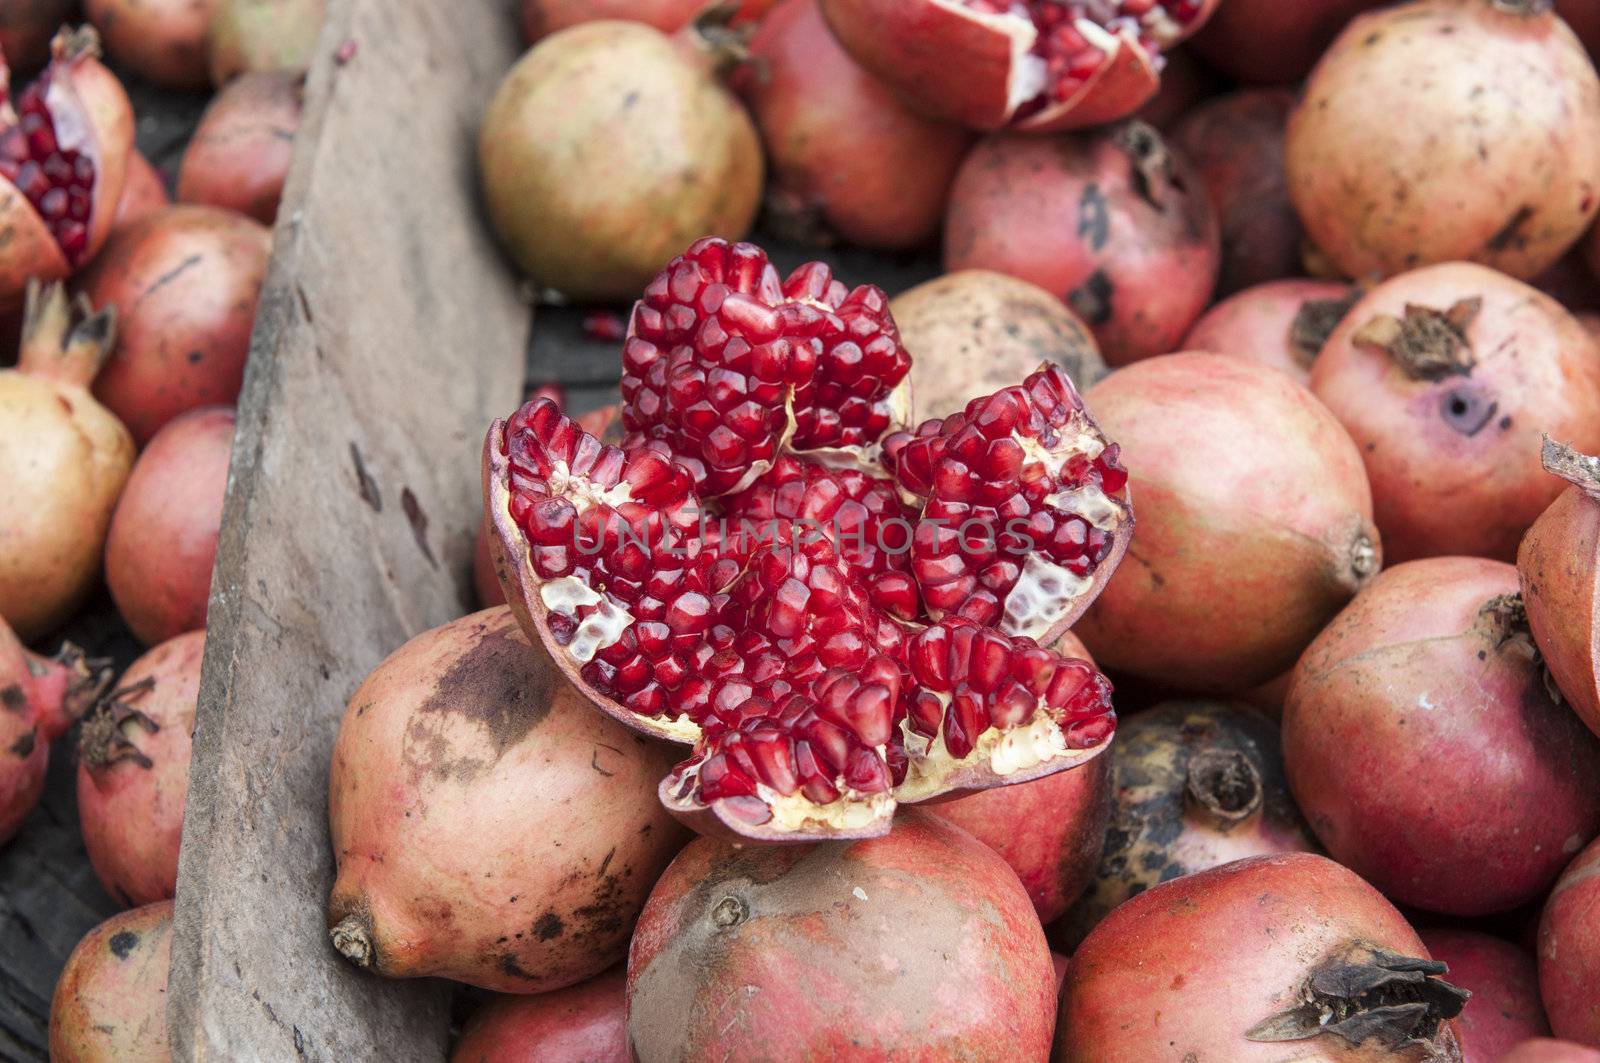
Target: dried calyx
{"points": [[1427, 344]]}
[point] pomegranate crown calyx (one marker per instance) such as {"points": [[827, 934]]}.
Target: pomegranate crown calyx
{"points": [[64, 340], [1427, 344], [1578, 469]]}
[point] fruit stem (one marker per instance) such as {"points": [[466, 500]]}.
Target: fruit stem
{"points": [[56, 691], [1315, 322], [715, 41], [352, 939], [108, 732], [1224, 785], [1578, 469], [57, 348], [1427, 344]]}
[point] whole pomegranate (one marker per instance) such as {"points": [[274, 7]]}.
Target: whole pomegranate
{"points": [[1548, 1050], [110, 1003], [1489, 151], [1255, 522], [1194, 785], [133, 772], [26, 27], [1446, 377], [163, 41], [163, 538], [972, 332], [239, 154], [609, 147], [1269, 41], [465, 725], [1426, 750], [1504, 982], [828, 126], [1114, 222], [1557, 565], [247, 36], [185, 282], [920, 944], [585, 1023], [143, 192], [1273, 958], [63, 461], [1034, 66], [1280, 323], [1569, 950]]}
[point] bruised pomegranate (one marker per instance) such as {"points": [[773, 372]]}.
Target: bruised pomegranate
{"points": [[920, 945], [1270, 41], [1035, 66], [63, 461], [1280, 323], [973, 332], [464, 726], [133, 772], [1504, 982], [1569, 950], [585, 1023], [1255, 522], [1258, 961], [1426, 750], [1114, 222], [143, 192], [110, 1003], [239, 154], [607, 148], [185, 283], [1548, 1050], [1489, 151], [163, 41], [1557, 565], [26, 27], [247, 36], [1446, 377]]}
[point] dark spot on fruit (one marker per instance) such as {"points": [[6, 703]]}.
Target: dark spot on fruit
{"points": [[1483, 655], [1091, 300], [12, 699], [1094, 221], [548, 926], [630, 99], [1505, 423], [23, 746], [1511, 234], [1466, 411], [509, 964], [729, 912], [1372, 38], [196, 357], [122, 943]]}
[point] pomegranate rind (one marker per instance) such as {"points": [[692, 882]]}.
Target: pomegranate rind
{"points": [[97, 100]]}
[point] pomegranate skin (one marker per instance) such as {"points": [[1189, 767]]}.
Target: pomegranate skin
{"points": [[239, 154], [1255, 522], [813, 952], [828, 126], [26, 27], [133, 772], [1185, 969], [1281, 323], [1425, 750], [1449, 415], [1569, 951], [163, 41], [1549, 1050], [1504, 982], [254, 35], [163, 538], [1493, 155], [584, 1023], [540, 18], [469, 724], [185, 283], [485, 580], [1271, 42], [1114, 222], [143, 192], [110, 1003]]}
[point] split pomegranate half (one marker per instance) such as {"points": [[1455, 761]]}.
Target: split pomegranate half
{"points": [[1037, 66]]}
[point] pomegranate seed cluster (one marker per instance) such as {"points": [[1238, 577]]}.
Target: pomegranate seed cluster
{"points": [[58, 181]]}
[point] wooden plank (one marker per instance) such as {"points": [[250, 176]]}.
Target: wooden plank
{"points": [[389, 332]]}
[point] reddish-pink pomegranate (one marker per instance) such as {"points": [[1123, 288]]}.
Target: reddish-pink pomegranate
{"points": [[540, 18], [255, 35], [1557, 563], [163, 537], [1569, 951], [1273, 958], [110, 1002], [1549, 1050], [1035, 66], [585, 1023], [1280, 323], [917, 945], [1255, 522], [133, 772], [1504, 982], [163, 41], [485, 580], [1446, 377], [1270, 41], [63, 461], [143, 192], [1426, 749], [828, 126], [466, 725], [185, 283], [239, 154], [1491, 154], [1114, 222], [26, 27]]}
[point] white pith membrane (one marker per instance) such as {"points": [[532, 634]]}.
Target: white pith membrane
{"points": [[852, 810], [929, 764]]}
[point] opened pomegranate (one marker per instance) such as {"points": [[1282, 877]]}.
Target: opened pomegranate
{"points": [[133, 772], [1280, 323], [585, 1023], [1273, 958], [1504, 982], [1114, 222], [576, 148], [1569, 950], [1255, 523], [920, 944], [185, 283], [26, 27], [466, 725], [1446, 377], [1491, 154], [1035, 66], [1195, 785], [247, 36], [143, 192], [973, 332], [1272, 42], [1557, 563], [1549, 1050], [163, 41], [239, 154], [1426, 750], [110, 1002], [63, 460]]}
